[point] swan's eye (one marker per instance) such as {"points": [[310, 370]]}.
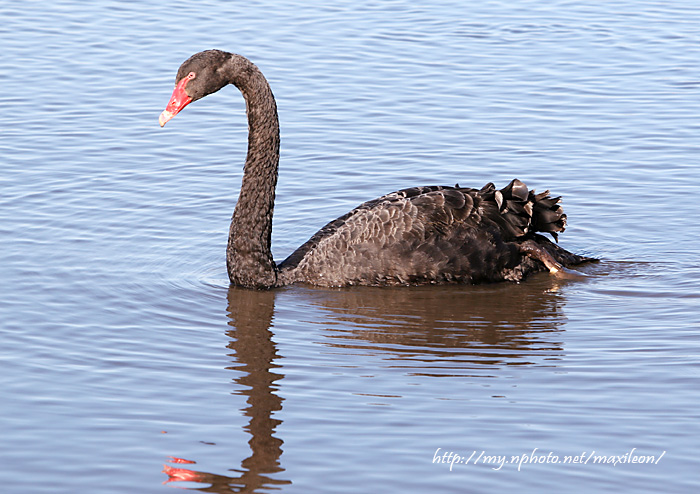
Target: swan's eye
{"points": [[190, 76]]}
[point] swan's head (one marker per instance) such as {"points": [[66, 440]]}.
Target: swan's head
{"points": [[199, 75]]}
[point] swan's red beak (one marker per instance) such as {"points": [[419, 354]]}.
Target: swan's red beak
{"points": [[177, 102]]}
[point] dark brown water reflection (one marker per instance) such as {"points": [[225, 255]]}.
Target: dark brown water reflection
{"points": [[254, 353], [443, 330], [439, 331]]}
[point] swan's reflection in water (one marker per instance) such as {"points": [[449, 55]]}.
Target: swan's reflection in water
{"points": [[254, 353], [448, 330], [429, 331]]}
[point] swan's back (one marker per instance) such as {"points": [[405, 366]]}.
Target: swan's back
{"points": [[423, 235]]}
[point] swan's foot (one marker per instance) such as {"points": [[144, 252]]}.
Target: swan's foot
{"points": [[569, 274], [536, 251], [532, 249]]}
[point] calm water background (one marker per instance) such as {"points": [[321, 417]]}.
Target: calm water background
{"points": [[123, 346]]}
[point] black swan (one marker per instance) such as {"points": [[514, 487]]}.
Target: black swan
{"points": [[434, 234]]}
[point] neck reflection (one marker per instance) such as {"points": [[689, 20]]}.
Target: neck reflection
{"points": [[254, 352]]}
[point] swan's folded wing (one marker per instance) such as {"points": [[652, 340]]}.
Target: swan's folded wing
{"points": [[381, 238]]}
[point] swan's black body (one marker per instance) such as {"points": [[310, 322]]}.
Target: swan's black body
{"points": [[419, 235]]}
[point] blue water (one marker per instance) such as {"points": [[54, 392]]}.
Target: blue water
{"points": [[124, 349]]}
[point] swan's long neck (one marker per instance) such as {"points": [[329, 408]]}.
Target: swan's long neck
{"points": [[248, 255]]}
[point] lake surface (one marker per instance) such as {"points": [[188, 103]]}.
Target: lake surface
{"points": [[129, 365]]}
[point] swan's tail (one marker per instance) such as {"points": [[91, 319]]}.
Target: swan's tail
{"points": [[523, 211], [547, 214]]}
